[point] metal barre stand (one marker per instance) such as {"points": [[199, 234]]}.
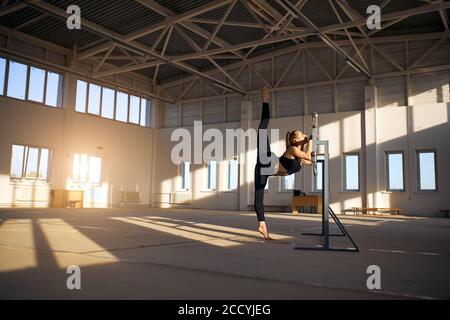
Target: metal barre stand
{"points": [[326, 209]]}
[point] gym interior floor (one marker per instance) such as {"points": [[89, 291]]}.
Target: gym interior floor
{"points": [[202, 254]]}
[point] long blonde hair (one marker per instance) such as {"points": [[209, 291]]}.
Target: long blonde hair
{"points": [[289, 136]]}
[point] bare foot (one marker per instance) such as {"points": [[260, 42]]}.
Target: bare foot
{"points": [[263, 230], [265, 94]]}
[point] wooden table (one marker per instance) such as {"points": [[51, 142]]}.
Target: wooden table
{"points": [[307, 201]]}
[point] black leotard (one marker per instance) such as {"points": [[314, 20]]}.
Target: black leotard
{"points": [[291, 165]]}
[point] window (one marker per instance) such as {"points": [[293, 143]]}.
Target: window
{"points": [[17, 157], [287, 182], [122, 107], [145, 111], [351, 172], [108, 100], [426, 171], [111, 104], [32, 163], [212, 175], [37, 84], [17, 80], [394, 171], [86, 169], [52, 93], [318, 177], [29, 163], [233, 174], [94, 99], [80, 104], [2, 75], [135, 104], [43, 164], [185, 175], [30, 83]]}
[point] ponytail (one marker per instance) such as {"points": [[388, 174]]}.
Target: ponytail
{"points": [[288, 139]]}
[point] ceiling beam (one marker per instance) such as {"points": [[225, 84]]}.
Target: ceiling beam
{"points": [[153, 5], [319, 44], [11, 8], [326, 29], [177, 18], [121, 40]]}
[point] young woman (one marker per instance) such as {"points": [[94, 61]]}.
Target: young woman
{"points": [[298, 152]]}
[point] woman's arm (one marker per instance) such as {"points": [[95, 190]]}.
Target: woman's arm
{"points": [[297, 152]]}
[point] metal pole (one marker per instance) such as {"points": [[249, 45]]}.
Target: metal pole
{"points": [[326, 196]]}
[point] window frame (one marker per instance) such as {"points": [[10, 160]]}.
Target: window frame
{"points": [[78, 182], [314, 178], [27, 85], [181, 170], [418, 188], [7, 72], [344, 170], [229, 175], [387, 176], [208, 181], [283, 183], [116, 90], [25, 156], [5, 78]]}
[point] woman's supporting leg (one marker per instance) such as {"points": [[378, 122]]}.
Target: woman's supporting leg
{"points": [[260, 179]]}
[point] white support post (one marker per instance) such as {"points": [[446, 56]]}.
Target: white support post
{"points": [[245, 170], [370, 146]]}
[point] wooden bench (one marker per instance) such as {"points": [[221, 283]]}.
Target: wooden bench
{"points": [[446, 212], [307, 201], [362, 210]]}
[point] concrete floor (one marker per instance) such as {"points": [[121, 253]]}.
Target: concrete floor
{"points": [[202, 254]]}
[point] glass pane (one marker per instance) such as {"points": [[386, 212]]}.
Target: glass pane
{"points": [[17, 161], [43, 164], [80, 104], [95, 166], [427, 172], [351, 172], [186, 176], [52, 93], [83, 167], [232, 174], [36, 87], [2, 75], [395, 171], [94, 99], [319, 174], [17, 80], [134, 109], [108, 103], [288, 182], [212, 170], [76, 167], [145, 106], [32, 163], [122, 107]]}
